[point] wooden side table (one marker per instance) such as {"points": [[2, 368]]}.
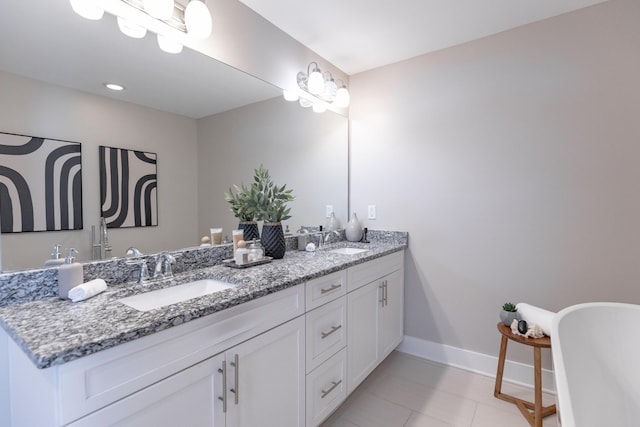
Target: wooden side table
{"points": [[533, 412]]}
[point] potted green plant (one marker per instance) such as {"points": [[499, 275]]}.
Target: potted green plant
{"points": [[242, 210], [268, 202], [508, 313]]}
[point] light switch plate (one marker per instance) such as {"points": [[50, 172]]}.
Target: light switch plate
{"points": [[371, 212], [329, 211]]}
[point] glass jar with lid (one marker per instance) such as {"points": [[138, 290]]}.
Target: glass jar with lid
{"points": [[256, 252]]}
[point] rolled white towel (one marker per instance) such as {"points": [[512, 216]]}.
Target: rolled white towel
{"points": [[87, 290], [536, 316]]}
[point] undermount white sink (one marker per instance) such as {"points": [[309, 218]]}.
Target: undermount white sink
{"points": [[175, 294], [348, 251]]}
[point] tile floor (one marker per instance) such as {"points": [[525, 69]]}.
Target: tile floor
{"points": [[406, 391]]}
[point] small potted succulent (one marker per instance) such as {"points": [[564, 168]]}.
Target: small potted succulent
{"points": [[508, 313], [268, 202]]}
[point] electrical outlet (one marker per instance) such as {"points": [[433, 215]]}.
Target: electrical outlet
{"points": [[371, 212], [329, 211]]}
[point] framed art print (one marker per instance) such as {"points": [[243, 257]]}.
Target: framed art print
{"points": [[128, 187], [40, 184]]}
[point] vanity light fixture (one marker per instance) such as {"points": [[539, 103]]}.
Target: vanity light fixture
{"points": [[318, 90], [130, 29], [170, 20], [87, 9], [160, 9]]}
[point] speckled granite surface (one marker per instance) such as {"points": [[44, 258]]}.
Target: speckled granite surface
{"points": [[53, 331]]}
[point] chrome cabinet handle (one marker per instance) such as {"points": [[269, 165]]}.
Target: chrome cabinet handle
{"points": [[381, 300], [223, 371], [332, 288], [323, 335], [386, 293], [334, 384], [236, 390]]}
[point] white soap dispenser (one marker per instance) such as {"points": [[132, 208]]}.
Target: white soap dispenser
{"points": [[70, 275]]}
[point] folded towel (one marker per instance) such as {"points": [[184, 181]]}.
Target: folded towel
{"points": [[536, 316], [87, 290]]}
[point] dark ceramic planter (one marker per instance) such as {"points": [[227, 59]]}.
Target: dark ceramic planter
{"points": [[273, 240], [250, 230]]}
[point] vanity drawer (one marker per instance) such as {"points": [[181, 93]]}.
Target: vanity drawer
{"points": [[326, 388], [324, 289], [367, 272], [326, 331]]}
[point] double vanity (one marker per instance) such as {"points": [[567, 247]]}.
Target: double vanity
{"points": [[279, 344]]}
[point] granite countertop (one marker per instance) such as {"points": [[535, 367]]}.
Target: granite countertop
{"points": [[53, 331]]}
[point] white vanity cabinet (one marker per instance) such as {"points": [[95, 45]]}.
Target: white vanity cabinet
{"points": [[258, 382], [375, 314], [288, 359], [177, 371]]}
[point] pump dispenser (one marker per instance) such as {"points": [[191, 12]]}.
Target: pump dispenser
{"points": [[70, 274]]}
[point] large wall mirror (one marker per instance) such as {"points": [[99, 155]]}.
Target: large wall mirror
{"points": [[209, 124]]}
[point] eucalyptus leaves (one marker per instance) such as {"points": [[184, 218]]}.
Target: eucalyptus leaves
{"points": [[263, 200]]}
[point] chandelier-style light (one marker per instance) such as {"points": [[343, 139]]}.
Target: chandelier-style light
{"points": [[169, 20], [318, 90]]}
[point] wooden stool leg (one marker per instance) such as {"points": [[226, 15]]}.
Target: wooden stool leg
{"points": [[497, 391], [537, 366]]}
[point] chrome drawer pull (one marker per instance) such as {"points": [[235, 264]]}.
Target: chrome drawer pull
{"points": [[223, 371], [332, 288], [323, 335], [236, 365], [334, 384]]}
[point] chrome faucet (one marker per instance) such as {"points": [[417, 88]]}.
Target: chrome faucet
{"points": [[100, 249], [163, 265], [327, 238]]}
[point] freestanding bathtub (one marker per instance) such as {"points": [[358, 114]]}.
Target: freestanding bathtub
{"points": [[596, 357]]}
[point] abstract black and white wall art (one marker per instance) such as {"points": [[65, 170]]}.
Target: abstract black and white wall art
{"points": [[40, 184], [128, 187]]}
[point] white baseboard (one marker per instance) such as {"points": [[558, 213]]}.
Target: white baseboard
{"points": [[514, 372]]}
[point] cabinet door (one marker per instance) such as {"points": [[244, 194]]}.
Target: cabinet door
{"points": [[391, 314], [266, 379], [363, 305], [188, 398]]}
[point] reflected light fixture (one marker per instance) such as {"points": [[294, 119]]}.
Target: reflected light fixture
{"points": [[197, 19], [319, 90], [161, 9], [87, 9], [130, 29], [170, 21], [168, 44]]}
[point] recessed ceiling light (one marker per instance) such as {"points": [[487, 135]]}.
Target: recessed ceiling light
{"points": [[114, 86]]}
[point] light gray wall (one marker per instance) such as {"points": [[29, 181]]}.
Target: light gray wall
{"points": [[513, 162], [34, 108], [302, 149]]}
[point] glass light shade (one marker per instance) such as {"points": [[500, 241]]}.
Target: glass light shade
{"points": [[130, 29], [329, 92], [169, 45], [161, 9], [290, 95], [87, 9], [305, 103], [342, 98], [319, 107], [197, 19], [315, 85]]}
